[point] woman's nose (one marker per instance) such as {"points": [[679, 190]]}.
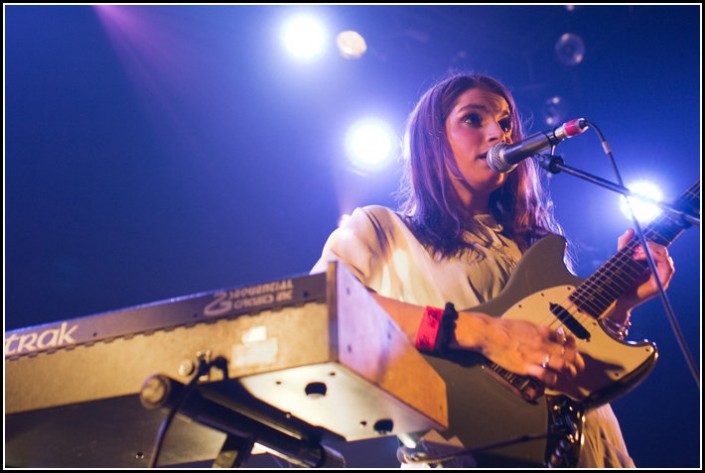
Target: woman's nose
{"points": [[495, 132]]}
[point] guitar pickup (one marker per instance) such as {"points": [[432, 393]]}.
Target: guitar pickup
{"points": [[570, 322]]}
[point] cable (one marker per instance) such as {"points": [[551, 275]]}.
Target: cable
{"points": [[203, 368], [652, 266], [414, 459]]}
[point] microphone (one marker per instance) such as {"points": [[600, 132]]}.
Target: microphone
{"points": [[504, 157]]}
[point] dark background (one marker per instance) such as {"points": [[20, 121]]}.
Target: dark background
{"points": [[160, 151]]}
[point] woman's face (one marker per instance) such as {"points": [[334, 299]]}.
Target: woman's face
{"points": [[478, 120]]}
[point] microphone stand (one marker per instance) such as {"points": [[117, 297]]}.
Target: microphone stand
{"points": [[555, 164]]}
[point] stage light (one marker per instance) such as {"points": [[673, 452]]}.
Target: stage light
{"points": [[370, 144], [351, 44], [643, 210], [304, 37]]}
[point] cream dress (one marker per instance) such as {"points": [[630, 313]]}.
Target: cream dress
{"points": [[381, 251]]}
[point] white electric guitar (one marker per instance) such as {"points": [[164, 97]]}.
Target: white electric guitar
{"points": [[508, 420]]}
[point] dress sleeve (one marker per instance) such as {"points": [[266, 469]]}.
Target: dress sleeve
{"points": [[360, 243]]}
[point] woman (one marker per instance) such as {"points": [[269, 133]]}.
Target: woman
{"points": [[458, 237]]}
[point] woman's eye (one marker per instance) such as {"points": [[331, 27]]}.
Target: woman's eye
{"points": [[473, 119], [506, 125]]}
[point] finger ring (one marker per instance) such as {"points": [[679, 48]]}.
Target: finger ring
{"points": [[564, 337], [544, 365]]}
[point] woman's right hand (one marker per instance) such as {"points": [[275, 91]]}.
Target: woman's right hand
{"points": [[520, 346]]}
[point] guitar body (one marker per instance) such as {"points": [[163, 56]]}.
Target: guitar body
{"points": [[507, 420], [482, 412], [485, 410]]}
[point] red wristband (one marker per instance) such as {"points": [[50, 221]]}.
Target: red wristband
{"points": [[429, 327]]}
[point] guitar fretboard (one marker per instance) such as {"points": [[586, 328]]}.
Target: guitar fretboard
{"points": [[621, 271]]}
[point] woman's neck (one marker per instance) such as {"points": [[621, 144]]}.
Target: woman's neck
{"points": [[474, 205], [472, 200]]}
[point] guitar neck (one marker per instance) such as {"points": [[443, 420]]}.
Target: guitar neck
{"points": [[621, 271]]}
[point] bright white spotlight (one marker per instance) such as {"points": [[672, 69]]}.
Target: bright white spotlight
{"points": [[643, 210], [369, 144], [304, 37]]}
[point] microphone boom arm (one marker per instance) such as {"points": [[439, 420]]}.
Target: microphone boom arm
{"points": [[555, 164]]}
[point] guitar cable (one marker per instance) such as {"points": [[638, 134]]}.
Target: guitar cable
{"points": [[203, 368], [652, 265], [417, 459]]}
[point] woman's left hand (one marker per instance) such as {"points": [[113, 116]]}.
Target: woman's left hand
{"points": [[646, 287]]}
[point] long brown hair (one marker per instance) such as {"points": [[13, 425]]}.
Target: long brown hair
{"points": [[431, 203]]}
